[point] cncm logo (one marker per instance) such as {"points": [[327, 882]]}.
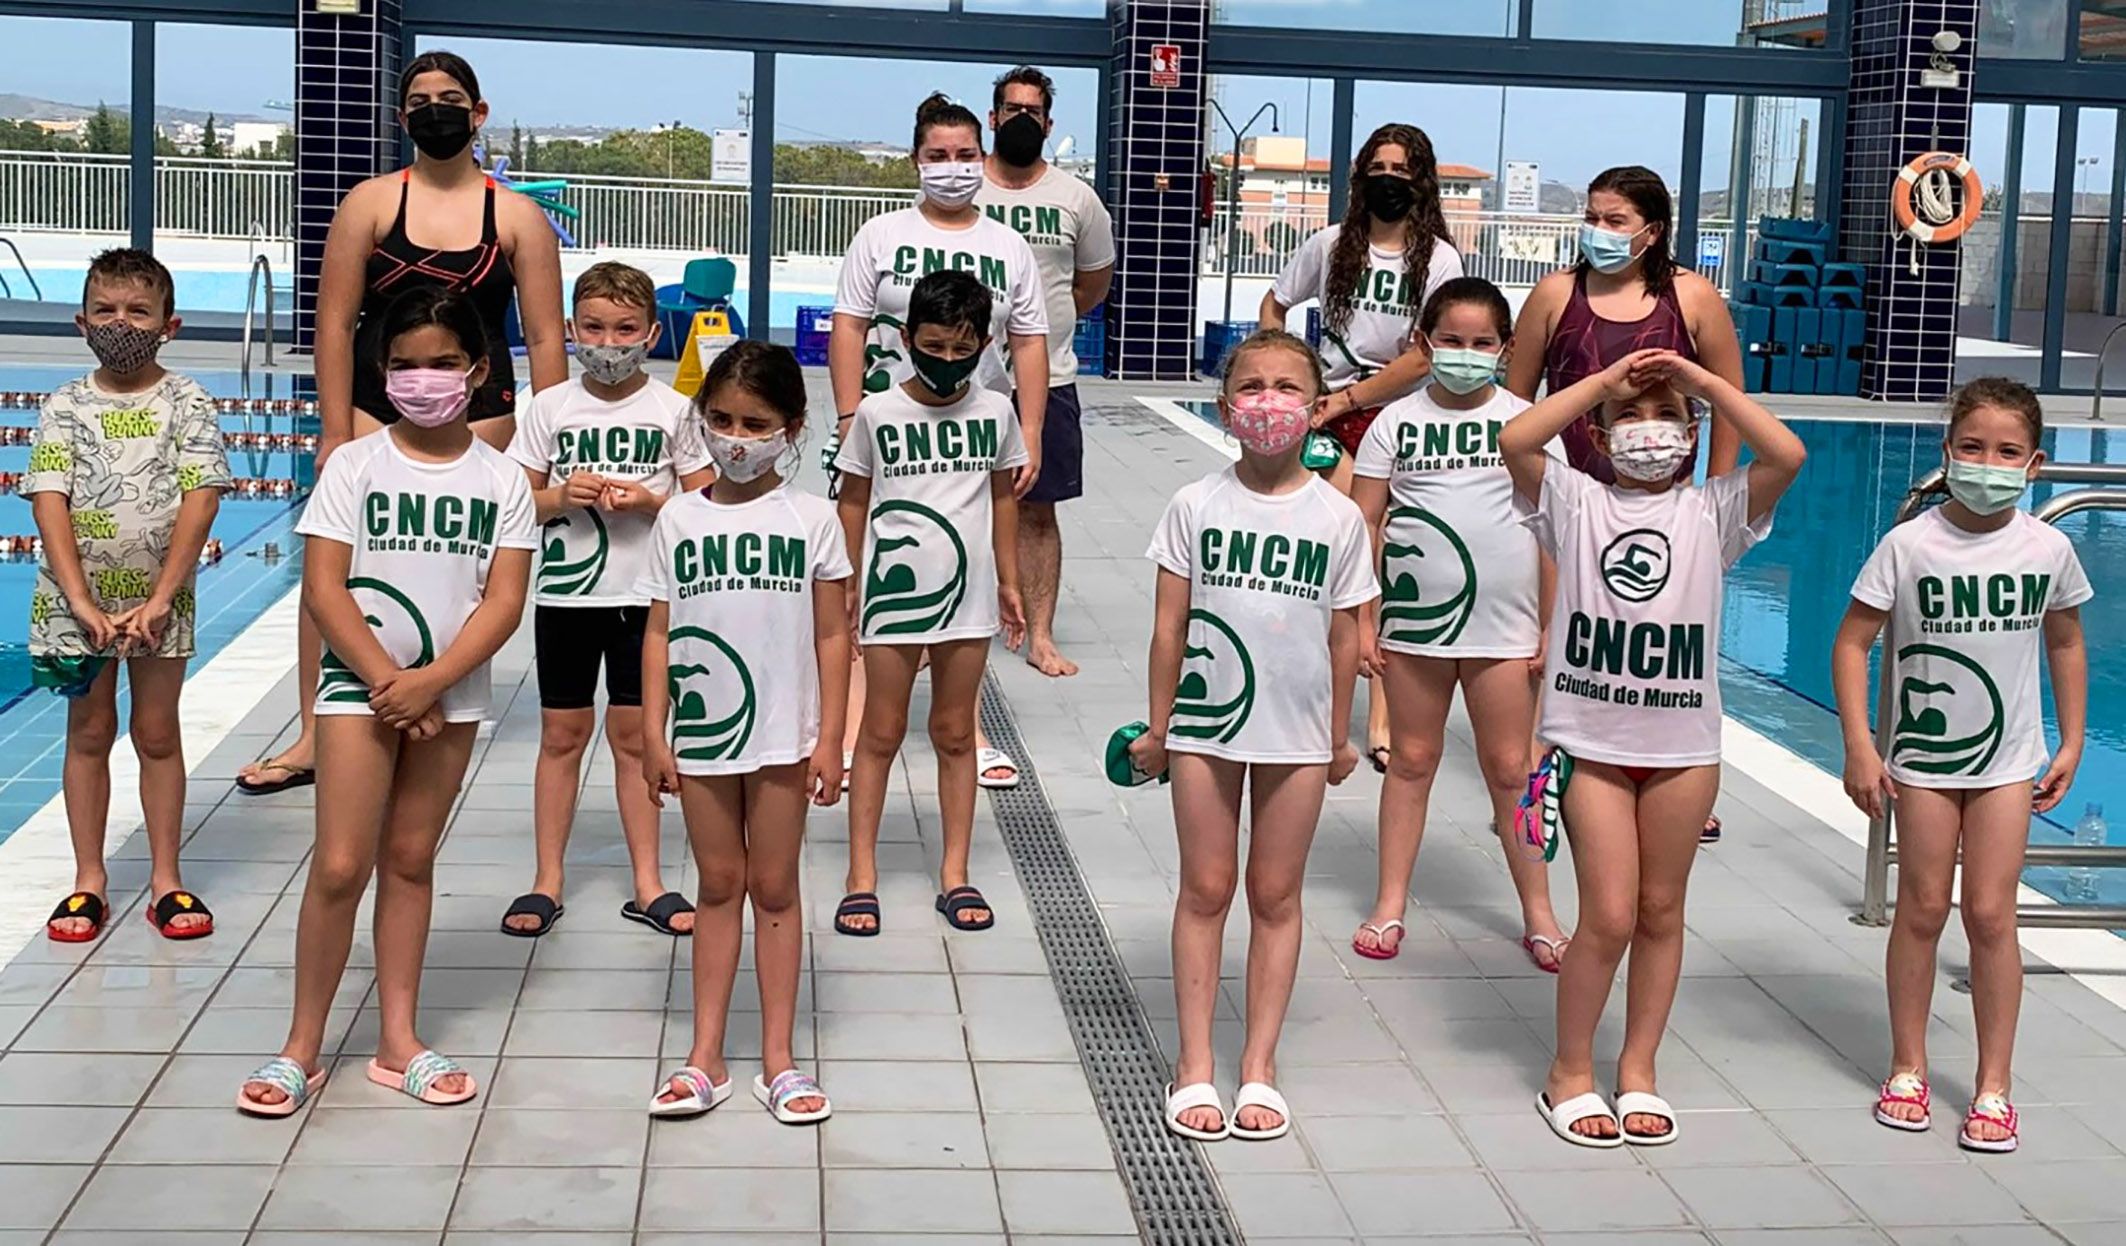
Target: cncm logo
{"points": [[718, 675], [1635, 566], [566, 577], [1950, 724], [1404, 614], [1217, 689], [392, 615], [894, 593]]}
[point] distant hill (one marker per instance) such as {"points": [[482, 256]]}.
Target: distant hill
{"points": [[30, 108]]}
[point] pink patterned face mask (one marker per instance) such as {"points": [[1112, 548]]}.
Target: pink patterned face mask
{"points": [[1268, 422]]}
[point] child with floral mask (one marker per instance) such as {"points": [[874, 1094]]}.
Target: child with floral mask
{"points": [[1263, 568]]}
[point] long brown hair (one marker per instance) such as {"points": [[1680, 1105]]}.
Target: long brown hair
{"points": [[1649, 195], [1347, 263]]}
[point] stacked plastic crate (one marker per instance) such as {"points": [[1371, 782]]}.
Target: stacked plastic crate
{"points": [[1800, 316]]}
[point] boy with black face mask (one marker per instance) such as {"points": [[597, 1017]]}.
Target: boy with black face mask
{"points": [[125, 478]]}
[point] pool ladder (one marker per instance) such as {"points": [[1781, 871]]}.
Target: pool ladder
{"points": [[7, 291], [2109, 494]]}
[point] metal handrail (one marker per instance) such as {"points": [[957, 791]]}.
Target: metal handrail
{"points": [[260, 265], [24, 264], [1882, 850], [2096, 404]]}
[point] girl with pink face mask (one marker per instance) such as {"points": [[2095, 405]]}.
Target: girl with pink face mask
{"points": [[1263, 570]]}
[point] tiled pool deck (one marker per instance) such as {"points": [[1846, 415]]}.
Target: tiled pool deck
{"points": [[962, 1113]]}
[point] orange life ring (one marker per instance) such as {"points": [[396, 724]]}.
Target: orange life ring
{"points": [[1908, 180]]}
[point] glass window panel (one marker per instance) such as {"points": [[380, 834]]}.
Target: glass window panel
{"points": [[1405, 17], [63, 150], [1713, 23], [1040, 8], [2023, 29], [1760, 151], [225, 162], [1283, 191], [1988, 343], [2103, 36]]}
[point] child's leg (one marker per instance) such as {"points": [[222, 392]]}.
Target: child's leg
{"points": [[1929, 823], [1601, 815], [1207, 826], [1418, 692], [955, 688], [1996, 830], [715, 808], [775, 835], [890, 674], [158, 741], [426, 785], [1672, 809], [1501, 705], [638, 817], [563, 736], [91, 730], [1285, 807], [853, 720]]}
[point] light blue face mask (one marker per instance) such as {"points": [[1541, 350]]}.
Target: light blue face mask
{"points": [[1607, 251], [1985, 489], [1463, 371]]}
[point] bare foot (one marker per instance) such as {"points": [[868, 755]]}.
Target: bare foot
{"points": [[1256, 1118], [1380, 934], [1043, 656], [1562, 1090], [267, 1094], [268, 769], [677, 1088], [1207, 1119], [1907, 1084], [801, 1104]]}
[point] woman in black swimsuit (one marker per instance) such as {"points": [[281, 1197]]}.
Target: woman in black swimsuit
{"points": [[442, 222]]}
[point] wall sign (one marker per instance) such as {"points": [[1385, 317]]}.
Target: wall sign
{"points": [[1166, 65]]}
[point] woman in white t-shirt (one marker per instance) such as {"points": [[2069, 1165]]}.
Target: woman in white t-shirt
{"points": [[1971, 591], [1631, 694], [1262, 571], [745, 668], [419, 550], [1460, 604]]}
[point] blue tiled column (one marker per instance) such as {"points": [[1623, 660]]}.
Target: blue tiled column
{"points": [[1890, 119], [1155, 146], [346, 127]]}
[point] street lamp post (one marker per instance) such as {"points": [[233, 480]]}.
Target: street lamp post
{"points": [[1232, 190]]}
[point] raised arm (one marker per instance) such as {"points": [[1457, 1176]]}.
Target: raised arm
{"points": [[1777, 455], [1525, 435], [1712, 332]]}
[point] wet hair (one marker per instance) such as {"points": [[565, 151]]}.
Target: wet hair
{"points": [[440, 61], [1998, 391], [951, 300], [1649, 195], [1424, 224], [1024, 76], [129, 265], [1272, 339], [622, 283], [1468, 290], [762, 369], [423, 306], [941, 109]]}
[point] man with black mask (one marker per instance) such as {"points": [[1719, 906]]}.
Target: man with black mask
{"points": [[1073, 239]]}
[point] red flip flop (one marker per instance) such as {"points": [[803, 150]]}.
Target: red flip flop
{"points": [[1380, 937], [86, 905], [175, 904], [1529, 943]]}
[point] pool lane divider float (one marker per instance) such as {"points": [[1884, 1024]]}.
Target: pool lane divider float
{"points": [[28, 548], [29, 401], [278, 443]]}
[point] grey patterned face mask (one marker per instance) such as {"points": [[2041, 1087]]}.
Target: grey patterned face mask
{"points": [[611, 365], [123, 348]]}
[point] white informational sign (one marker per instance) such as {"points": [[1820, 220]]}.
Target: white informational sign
{"points": [[1524, 186], [1712, 248], [1535, 247], [731, 156]]}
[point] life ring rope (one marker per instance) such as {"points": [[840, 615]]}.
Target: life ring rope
{"points": [[1920, 200]]}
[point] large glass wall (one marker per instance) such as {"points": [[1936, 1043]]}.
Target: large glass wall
{"points": [[1407, 17], [1282, 192], [1760, 160], [2006, 276], [1712, 23], [64, 175]]}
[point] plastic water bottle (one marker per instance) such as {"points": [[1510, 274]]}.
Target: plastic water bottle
{"points": [[2090, 832]]}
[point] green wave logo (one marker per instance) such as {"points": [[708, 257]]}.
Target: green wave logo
{"points": [[893, 594], [564, 578], [1635, 565], [339, 685], [1405, 615], [1949, 725], [695, 735], [1217, 689]]}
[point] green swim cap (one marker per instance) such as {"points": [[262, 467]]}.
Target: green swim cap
{"points": [[1121, 769], [1320, 453]]}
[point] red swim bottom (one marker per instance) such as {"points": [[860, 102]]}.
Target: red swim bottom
{"points": [[1349, 429], [1638, 774]]}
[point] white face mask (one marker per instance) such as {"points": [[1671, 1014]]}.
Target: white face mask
{"points": [[744, 459], [951, 184], [1650, 450]]}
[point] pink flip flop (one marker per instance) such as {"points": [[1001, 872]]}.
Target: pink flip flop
{"points": [[1529, 943], [1380, 936]]}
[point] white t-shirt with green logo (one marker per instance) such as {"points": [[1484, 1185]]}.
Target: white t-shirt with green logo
{"points": [[743, 666], [1070, 232], [930, 563], [1383, 321], [1632, 672], [593, 557], [1266, 573], [1459, 565], [892, 252], [1967, 628], [424, 536]]}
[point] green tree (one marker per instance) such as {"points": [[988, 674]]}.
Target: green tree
{"points": [[516, 146], [210, 145], [107, 133], [23, 136]]}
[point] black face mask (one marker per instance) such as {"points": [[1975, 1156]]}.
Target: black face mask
{"points": [[941, 376], [439, 130], [1019, 140], [1388, 197]]}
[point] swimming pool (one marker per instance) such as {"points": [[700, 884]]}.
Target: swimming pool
{"points": [[257, 567]]}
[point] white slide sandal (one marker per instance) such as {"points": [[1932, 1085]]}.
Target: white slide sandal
{"points": [[1639, 1103], [788, 1087], [1199, 1095], [988, 759], [702, 1094], [1261, 1095], [1574, 1110]]}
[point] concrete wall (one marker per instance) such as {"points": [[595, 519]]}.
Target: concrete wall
{"points": [[2033, 259]]}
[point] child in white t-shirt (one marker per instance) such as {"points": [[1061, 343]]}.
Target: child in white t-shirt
{"points": [[747, 659], [931, 519], [1459, 605], [420, 545], [1631, 694], [1971, 590], [1263, 567]]}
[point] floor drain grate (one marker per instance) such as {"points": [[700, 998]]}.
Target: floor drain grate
{"points": [[1177, 1201]]}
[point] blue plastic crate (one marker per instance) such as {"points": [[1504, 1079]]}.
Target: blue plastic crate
{"points": [[1220, 336], [1789, 229], [1090, 343], [814, 326]]}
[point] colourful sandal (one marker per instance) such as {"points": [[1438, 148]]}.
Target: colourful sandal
{"points": [[1910, 1090], [286, 1076], [174, 904], [788, 1087], [85, 905], [1993, 1108], [702, 1095], [420, 1078]]}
